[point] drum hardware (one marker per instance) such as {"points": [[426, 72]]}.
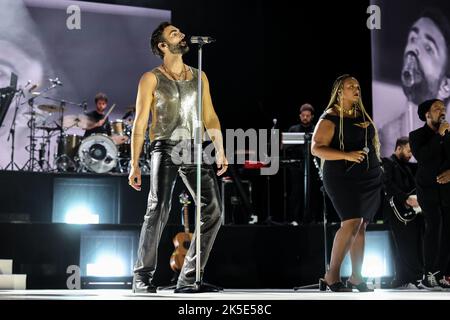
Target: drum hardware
{"points": [[30, 165], [7, 95]]}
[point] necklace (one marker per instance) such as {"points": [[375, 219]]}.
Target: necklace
{"points": [[176, 76], [349, 112]]}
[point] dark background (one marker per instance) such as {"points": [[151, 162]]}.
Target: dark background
{"points": [[270, 57]]}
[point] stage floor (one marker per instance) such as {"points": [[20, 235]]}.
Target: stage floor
{"points": [[228, 294]]}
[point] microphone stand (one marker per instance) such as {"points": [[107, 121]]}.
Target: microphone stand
{"points": [[12, 133], [199, 148], [198, 287]]}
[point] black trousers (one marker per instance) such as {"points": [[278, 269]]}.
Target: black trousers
{"points": [[436, 235], [163, 175], [408, 244]]}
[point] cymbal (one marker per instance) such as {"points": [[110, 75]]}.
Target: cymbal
{"points": [[50, 108], [80, 121], [29, 114], [47, 128]]}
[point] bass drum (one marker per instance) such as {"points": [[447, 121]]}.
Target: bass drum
{"points": [[98, 153]]}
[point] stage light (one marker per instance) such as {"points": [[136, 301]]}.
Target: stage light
{"points": [[81, 214], [378, 260], [86, 200], [107, 265], [108, 253], [374, 266]]}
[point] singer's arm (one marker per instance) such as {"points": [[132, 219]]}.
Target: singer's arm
{"points": [[320, 145], [212, 125], [144, 101]]}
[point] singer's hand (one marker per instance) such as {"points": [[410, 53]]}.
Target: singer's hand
{"points": [[355, 156], [444, 177], [222, 163], [134, 179], [445, 126], [412, 201]]}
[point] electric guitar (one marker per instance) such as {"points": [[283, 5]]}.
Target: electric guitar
{"points": [[182, 240], [403, 211], [319, 169]]}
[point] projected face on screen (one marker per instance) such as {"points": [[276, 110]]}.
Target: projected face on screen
{"points": [[411, 64], [424, 62]]}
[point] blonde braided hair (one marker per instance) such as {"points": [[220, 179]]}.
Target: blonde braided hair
{"points": [[338, 85]]}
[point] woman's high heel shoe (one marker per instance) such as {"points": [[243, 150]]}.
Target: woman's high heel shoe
{"points": [[335, 287], [361, 287]]}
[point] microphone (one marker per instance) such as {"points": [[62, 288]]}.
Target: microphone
{"points": [[442, 121], [55, 81], [274, 121], [28, 83], [366, 150], [202, 39], [34, 86]]}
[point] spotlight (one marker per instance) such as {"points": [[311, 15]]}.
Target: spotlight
{"points": [[378, 260], [106, 265], [81, 214]]}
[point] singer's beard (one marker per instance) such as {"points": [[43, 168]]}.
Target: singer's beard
{"points": [[436, 124], [422, 90], [178, 48], [404, 158]]}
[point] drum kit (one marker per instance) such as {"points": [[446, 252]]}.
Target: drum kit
{"points": [[98, 153]]}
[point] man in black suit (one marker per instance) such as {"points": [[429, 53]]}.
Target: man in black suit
{"points": [[430, 145], [399, 183]]}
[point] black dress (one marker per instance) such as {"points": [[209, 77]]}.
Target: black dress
{"points": [[354, 188]]}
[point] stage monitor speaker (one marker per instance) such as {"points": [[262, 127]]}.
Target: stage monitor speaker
{"points": [[233, 208]]}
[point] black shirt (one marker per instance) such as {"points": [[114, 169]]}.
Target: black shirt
{"points": [[432, 152], [398, 178], [105, 128]]}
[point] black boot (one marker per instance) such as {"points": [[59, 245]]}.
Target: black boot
{"points": [[142, 284]]}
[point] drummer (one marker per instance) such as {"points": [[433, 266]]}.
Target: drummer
{"points": [[100, 124]]}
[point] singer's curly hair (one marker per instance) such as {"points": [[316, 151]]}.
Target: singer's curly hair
{"points": [[157, 38]]}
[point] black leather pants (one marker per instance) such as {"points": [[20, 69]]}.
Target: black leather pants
{"points": [[163, 174]]}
